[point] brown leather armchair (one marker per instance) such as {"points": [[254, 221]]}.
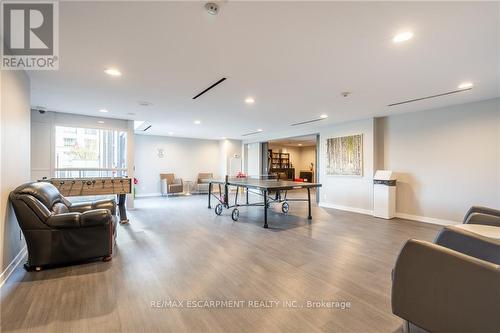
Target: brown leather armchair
{"points": [[171, 184], [59, 232]]}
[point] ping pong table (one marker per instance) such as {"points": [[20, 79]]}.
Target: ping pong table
{"points": [[272, 191]]}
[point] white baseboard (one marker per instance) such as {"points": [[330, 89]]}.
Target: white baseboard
{"points": [[425, 219], [13, 265], [346, 208], [404, 216]]}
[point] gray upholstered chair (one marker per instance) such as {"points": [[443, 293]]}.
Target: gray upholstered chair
{"points": [[482, 215], [451, 285], [170, 184]]}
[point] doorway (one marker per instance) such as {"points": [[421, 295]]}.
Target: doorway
{"points": [[294, 158]]}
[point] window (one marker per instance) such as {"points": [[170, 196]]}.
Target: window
{"points": [[89, 152], [69, 142]]}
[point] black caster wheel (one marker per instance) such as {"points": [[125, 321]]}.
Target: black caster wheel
{"points": [[218, 209], [285, 207], [235, 214]]}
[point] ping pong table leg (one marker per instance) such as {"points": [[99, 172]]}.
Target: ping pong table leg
{"points": [[265, 209], [209, 194], [226, 195], [236, 197], [309, 203]]}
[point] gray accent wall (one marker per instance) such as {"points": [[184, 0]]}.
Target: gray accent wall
{"points": [[446, 159], [15, 158]]}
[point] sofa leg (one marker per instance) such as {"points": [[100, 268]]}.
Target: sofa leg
{"points": [[107, 258], [29, 268]]}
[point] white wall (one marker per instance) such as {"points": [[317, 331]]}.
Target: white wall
{"points": [[15, 160], [231, 160], [348, 192], [183, 157], [447, 159], [253, 157], [308, 156]]}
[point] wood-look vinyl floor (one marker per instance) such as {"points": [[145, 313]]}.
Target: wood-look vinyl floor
{"points": [[176, 249]]}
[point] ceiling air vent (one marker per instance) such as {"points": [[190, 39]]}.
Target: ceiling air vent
{"points": [[428, 97], [211, 87], [308, 122], [251, 133]]}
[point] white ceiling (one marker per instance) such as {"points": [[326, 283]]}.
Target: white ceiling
{"points": [[294, 58]]}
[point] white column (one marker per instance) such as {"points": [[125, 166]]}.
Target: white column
{"points": [[130, 159]]}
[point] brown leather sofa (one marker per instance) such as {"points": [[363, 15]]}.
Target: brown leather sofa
{"points": [[58, 231], [453, 284], [171, 184]]}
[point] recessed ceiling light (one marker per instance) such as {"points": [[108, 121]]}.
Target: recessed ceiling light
{"points": [[170, 133], [402, 37], [300, 144], [103, 111], [260, 130], [223, 138], [113, 72], [101, 122], [323, 116], [249, 100], [466, 85], [197, 122]]}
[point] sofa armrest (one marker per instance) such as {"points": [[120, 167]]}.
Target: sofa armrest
{"points": [[441, 290], [96, 217], [109, 204], [64, 221], [484, 219], [82, 207], [470, 243], [481, 210]]}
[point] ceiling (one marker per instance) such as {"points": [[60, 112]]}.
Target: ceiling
{"points": [[298, 141], [294, 58]]}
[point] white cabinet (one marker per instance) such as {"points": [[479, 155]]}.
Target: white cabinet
{"points": [[384, 194]]}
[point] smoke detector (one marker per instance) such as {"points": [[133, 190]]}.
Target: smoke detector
{"points": [[345, 93], [212, 8]]}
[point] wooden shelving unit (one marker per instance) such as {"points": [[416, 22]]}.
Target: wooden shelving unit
{"points": [[280, 160], [279, 163]]}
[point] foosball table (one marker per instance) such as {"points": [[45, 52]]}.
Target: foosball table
{"points": [[74, 187]]}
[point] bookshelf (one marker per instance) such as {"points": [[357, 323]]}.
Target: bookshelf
{"points": [[280, 163], [280, 160]]}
